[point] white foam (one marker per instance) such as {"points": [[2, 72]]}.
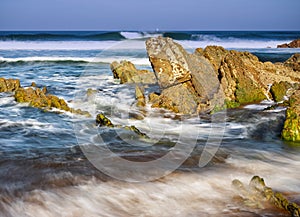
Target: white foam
{"points": [[136, 61], [70, 45]]}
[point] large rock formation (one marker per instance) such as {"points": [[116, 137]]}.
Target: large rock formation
{"points": [[291, 129], [213, 78], [128, 73], [188, 82], [243, 77], [293, 44]]}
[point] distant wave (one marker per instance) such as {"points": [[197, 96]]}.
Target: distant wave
{"points": [[70, 60], [123, 35]]}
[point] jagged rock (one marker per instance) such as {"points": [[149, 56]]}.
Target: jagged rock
{"points": [[258, 193], [294, 62], [103, 121], [243, 77], [293, 44], [188, 81], [38, 98], [9, 85], [140, 96], [127, 73], [291, 128]]}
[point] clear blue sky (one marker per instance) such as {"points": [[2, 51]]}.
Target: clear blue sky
{"points": [[150, 14]]}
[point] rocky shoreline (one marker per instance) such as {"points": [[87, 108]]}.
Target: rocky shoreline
{"points": [[204, 82], [213, 79]]}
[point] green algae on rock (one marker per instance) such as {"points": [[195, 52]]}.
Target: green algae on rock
{"points": [[291, 128]]}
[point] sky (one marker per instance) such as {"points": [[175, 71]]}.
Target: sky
{"points": [[149, 15]]}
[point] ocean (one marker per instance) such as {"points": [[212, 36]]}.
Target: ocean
{"points": [[45, 168]]}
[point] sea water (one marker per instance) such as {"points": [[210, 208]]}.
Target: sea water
{"points": [[44, 170]]}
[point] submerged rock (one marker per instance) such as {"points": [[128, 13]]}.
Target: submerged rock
{"points": [[293, 44], [128, 73], [257, 193], [103, 121], [291, 128], [9, 85]]}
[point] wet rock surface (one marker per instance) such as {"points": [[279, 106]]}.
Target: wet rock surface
{"points": [[103, 121], [256, 194]]}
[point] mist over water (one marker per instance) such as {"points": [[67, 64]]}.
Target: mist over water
{"points": [[44, 172]]}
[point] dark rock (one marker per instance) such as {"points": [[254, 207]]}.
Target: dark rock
{"points": [[293, 44], [291, 128], [103, 121], [9, 85], [127, 73]]}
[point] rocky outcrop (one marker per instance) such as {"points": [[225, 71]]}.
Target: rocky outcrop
{"points": [[293, 44], [40, 99], [257, 193], [291, 128], [212, 78], [293, 62], [128, 73], [243, 77], [188, 82], [9, 85], [103, 121]]}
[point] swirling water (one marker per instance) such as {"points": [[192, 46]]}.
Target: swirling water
{"points": [[44, 171]]}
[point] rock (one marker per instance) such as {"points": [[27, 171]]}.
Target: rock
{"points": [[127, 73], [103, 121], [279, 90], [9, 85], [293, 62], [140, 96], [243, 77], [188, 81], [291, 128], [37, 98], [293, 44], [33, 84], [258, 193]]}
